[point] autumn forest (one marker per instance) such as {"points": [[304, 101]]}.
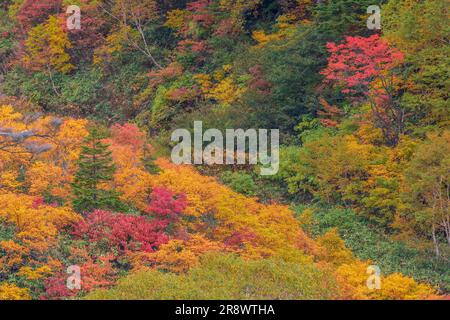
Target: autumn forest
{"points": [[92, 205]]}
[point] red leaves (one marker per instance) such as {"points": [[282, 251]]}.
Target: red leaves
{"points": [[128, 135], [165, 205], [193, 46], [364, 68], [120, 234], [359, 61], [121, 231], [33, 12], [93, 24], [184, 94], [133, 233], [200, 12], [258, 82], [93, 275], [171, 72]]}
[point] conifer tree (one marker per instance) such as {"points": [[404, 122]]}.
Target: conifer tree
{"points": [[95, 168]]}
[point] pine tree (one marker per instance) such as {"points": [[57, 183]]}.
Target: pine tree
{"points": [[148, 160], [95, 167]]}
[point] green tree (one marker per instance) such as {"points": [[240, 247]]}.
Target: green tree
{"points": [[415, 27], [95, 170], [426, 190]]}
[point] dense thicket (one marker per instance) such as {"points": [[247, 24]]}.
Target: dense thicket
{"points": [[363, 116]]}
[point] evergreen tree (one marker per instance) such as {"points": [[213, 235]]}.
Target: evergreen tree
{"points": [[148, 161], [95, 167]]}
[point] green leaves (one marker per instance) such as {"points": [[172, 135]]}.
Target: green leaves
{"points": [[95, 170]]}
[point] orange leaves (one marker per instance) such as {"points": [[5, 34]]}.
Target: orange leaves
{"points": [[352, 279], [333, 248], [37, 225], [42, 177], [178, 256], [12, 292], [128, 145], [12, 254], [254, 229], [40, 149], [174, 257]]}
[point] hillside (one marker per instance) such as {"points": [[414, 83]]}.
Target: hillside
{"points": [[357, 207]]}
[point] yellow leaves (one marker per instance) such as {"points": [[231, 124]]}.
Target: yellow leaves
{"points": [[34, 274], [352, 279], [134, 184], [37, 224], [9, 180], [48, 171], [115, 42], [262, 38], [42, 176], [178, 256], [353, 282], [333, 248], [284, 30], [238, 7], [399, 287], [14, 254], [130, 179], [174, 257], [221, 87], [368, 133], [226, 92], [46, 47], [8, 115], [175, 18], [12, 292], [205, 82], [252, 229], [68, 139]]}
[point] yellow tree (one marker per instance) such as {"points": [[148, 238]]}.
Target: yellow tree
{"points": [[46, 49]]}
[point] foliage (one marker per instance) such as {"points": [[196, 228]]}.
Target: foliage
{"points": [[46, 48], [85, 122], [227, 277], [239, 182], [95, 169]]}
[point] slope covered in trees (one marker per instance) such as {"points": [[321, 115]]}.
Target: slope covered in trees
{"points": [[85, 122]]}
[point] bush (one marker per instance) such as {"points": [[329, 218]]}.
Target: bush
{"points": [[240, 182], [226, 277], [369, 243]]}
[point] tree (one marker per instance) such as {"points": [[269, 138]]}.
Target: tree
{"points": [[95, 170], [336, 18], [30, 13], [364, 69], [426, 189], [132, 18], [120, 233], [416, 27], [46, 47]]}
